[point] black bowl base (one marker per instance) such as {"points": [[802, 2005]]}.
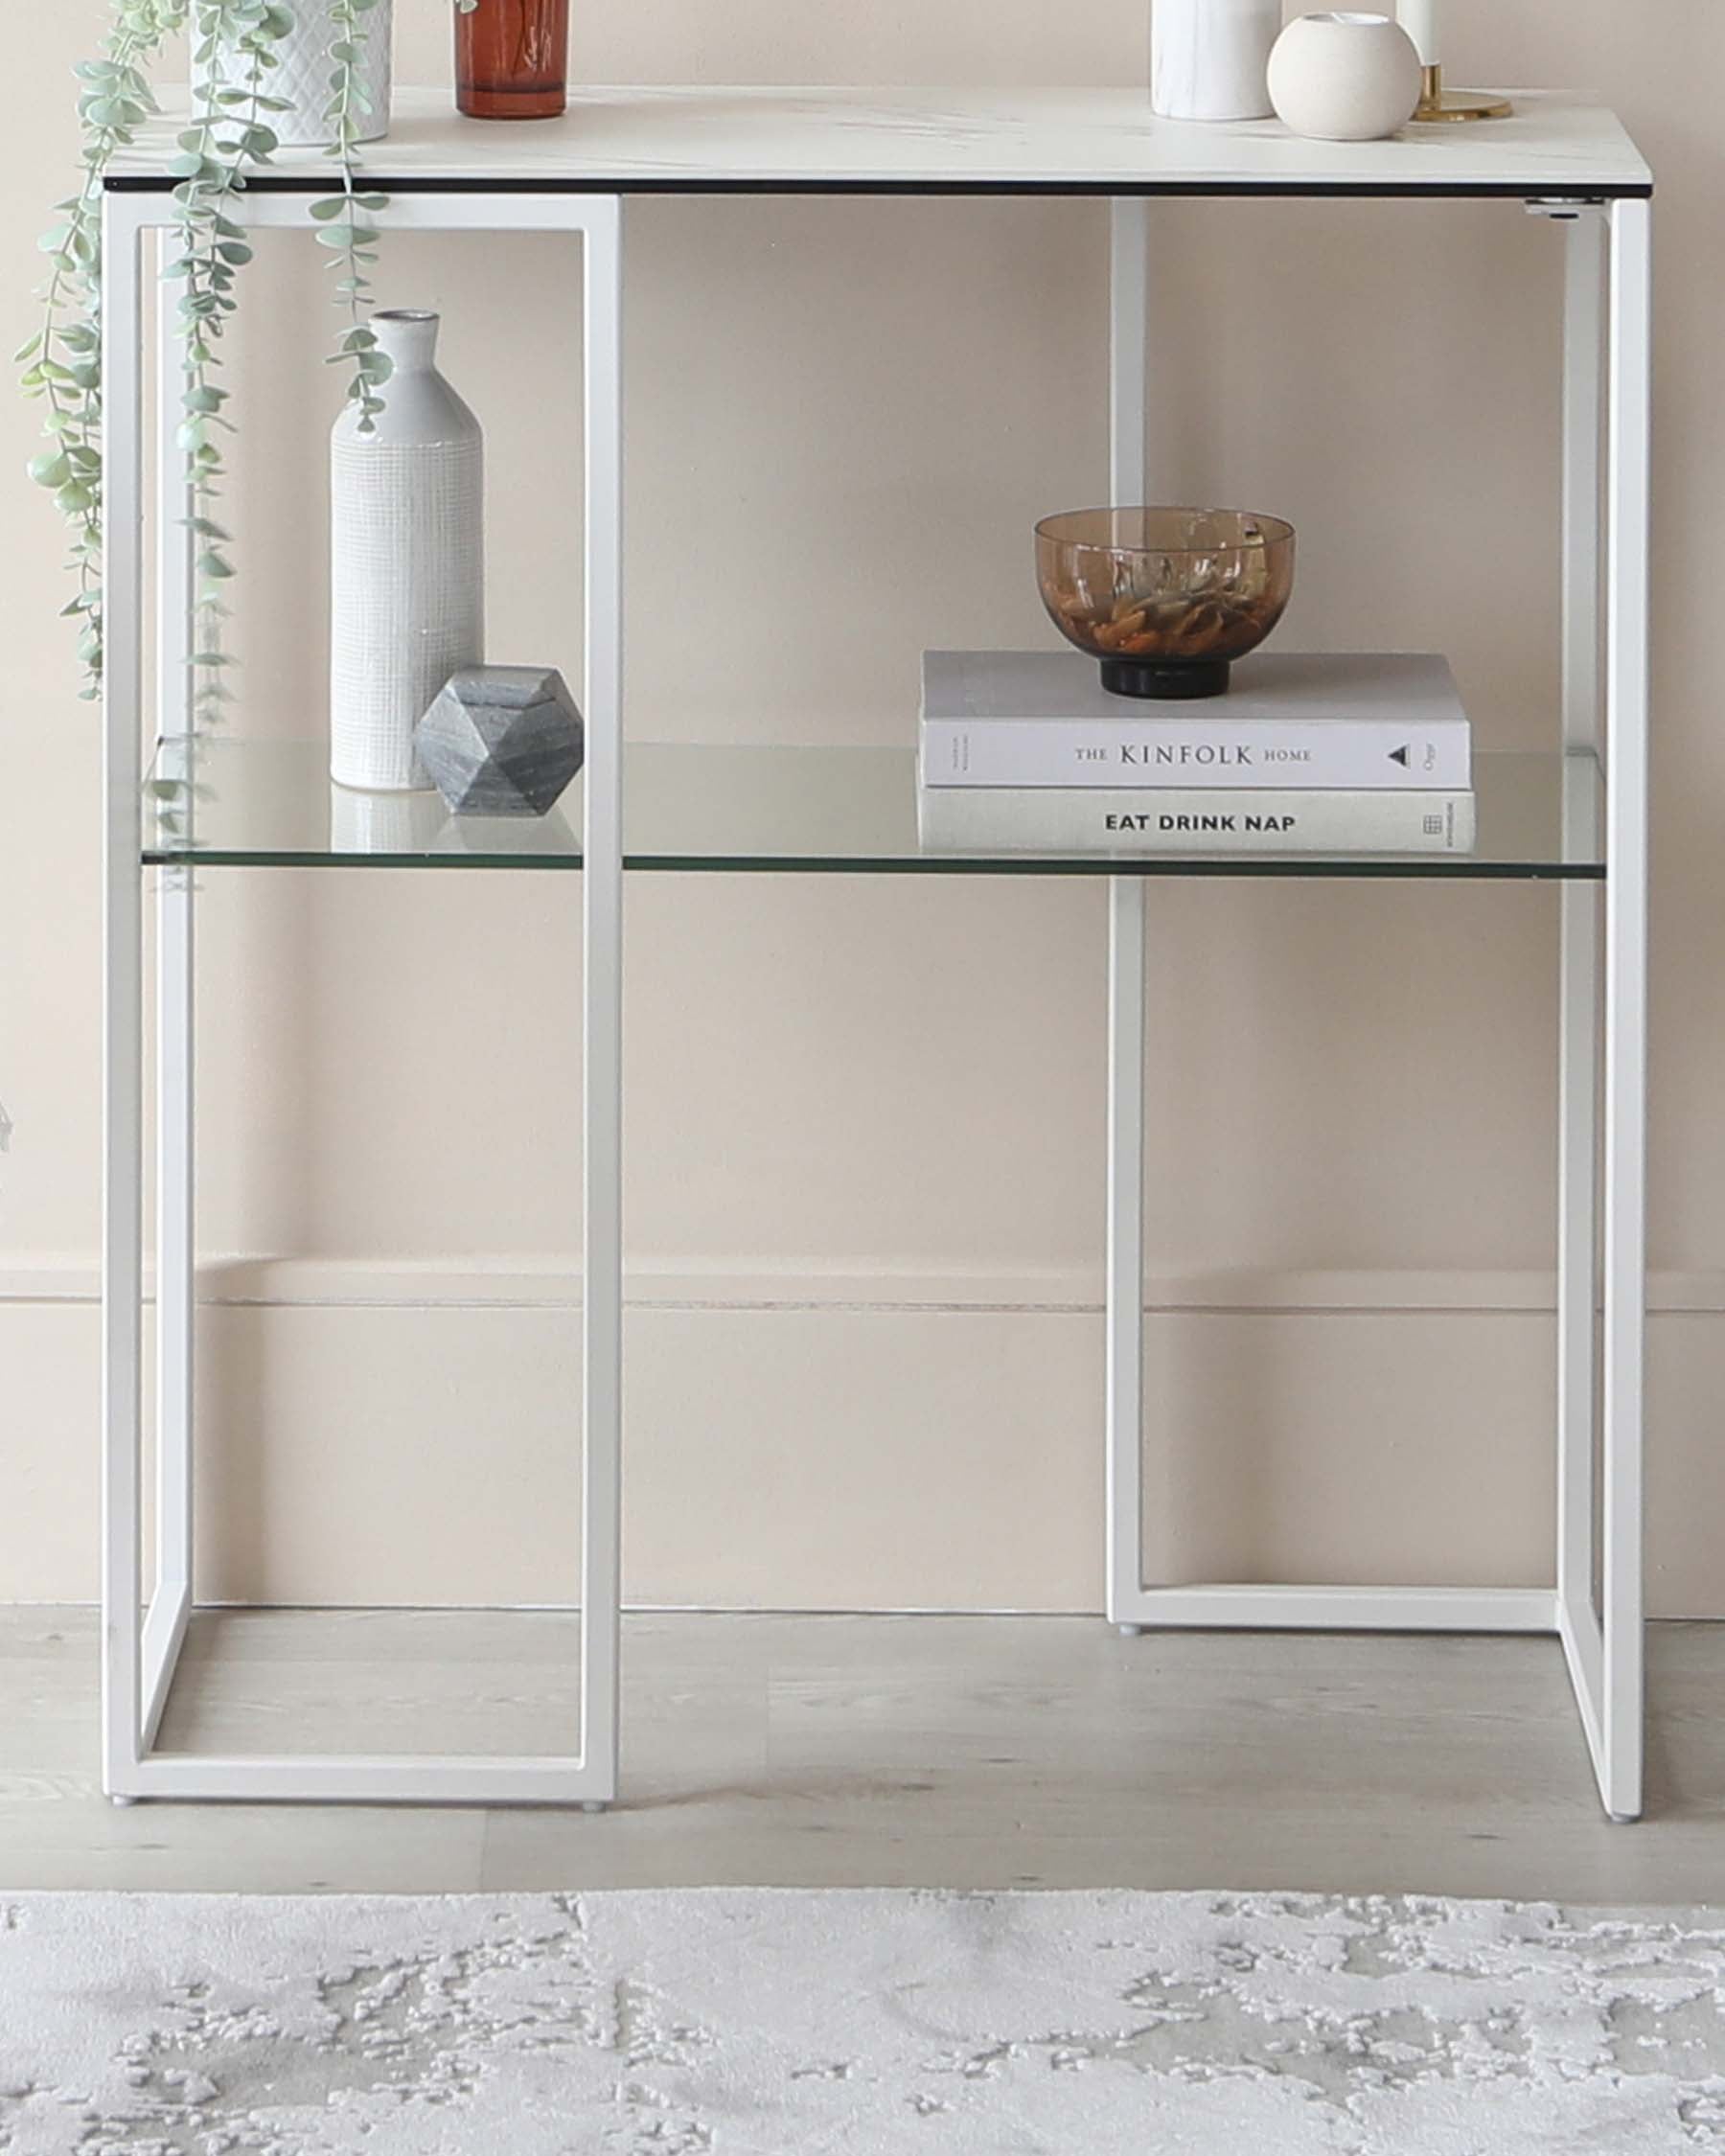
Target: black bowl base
{"points": [[1135, 678]]}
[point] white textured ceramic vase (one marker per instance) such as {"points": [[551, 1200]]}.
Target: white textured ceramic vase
{"points": [[407, 559], [301, 77], [1345, 77], [1209, 58], [383, 823]]}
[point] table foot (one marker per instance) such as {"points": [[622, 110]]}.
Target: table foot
{"points": [[1129, 1631]]}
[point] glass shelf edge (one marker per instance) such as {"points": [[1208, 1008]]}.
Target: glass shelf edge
{"points": [[267, 804], [1332, 869]]}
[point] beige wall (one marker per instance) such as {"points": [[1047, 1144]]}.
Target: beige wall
{"points": [[864, 1126]]}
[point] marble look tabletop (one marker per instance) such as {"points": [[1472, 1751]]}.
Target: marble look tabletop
{"points": [[676, 139]]}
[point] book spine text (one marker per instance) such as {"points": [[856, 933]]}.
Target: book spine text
{"points": [[1082, 821], [1365, 755]]}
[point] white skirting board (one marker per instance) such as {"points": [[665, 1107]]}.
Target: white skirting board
{"points": [[866, 1442]]}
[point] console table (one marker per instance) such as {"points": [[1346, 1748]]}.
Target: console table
{"points": [[1578, 815]]}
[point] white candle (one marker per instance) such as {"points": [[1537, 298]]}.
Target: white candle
{"points": [[1419, 19]]}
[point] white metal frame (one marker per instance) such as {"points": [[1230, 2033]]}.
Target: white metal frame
{"points": [[1601, 1246], [139, 1658], [1607, 342]]}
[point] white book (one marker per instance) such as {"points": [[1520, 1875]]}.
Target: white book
{"points": [[1361, 720], [1078, 819]]}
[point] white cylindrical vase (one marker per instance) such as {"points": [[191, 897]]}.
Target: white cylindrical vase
{"points": [[407, 559], [383, 823], [301, 75], [1209, 58], [1345, 77]]}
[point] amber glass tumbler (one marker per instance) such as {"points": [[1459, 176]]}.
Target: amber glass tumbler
{"points": [[512, 59]]}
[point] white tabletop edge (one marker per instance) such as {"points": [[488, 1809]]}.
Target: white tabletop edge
{"points": [[696, 139]]}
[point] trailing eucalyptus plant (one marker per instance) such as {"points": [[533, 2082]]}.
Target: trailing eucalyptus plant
{"points": [[344, 218], [228, 134], [62, 361], [229, 129]]}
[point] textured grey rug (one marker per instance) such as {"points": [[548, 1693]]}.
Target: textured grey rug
{"points": [[764, 2024]]}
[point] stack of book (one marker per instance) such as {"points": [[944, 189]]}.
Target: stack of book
{"points": [[1358, 752]]}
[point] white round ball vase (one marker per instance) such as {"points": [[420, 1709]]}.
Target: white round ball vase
{"points": [[1344, 78]]}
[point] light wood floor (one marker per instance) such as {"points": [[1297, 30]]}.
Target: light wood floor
{"points": [[968, 1751]]}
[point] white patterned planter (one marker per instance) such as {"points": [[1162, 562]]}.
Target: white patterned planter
{"points": [[301, 77], [406, 560]]}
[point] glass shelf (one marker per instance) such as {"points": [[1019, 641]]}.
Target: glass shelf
{"points": [[808, 810]]}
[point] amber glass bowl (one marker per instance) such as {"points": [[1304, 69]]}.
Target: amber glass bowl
{"points": [[1166, 599]]}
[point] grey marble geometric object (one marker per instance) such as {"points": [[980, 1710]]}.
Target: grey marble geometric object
{"points": [[502, 741]]}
